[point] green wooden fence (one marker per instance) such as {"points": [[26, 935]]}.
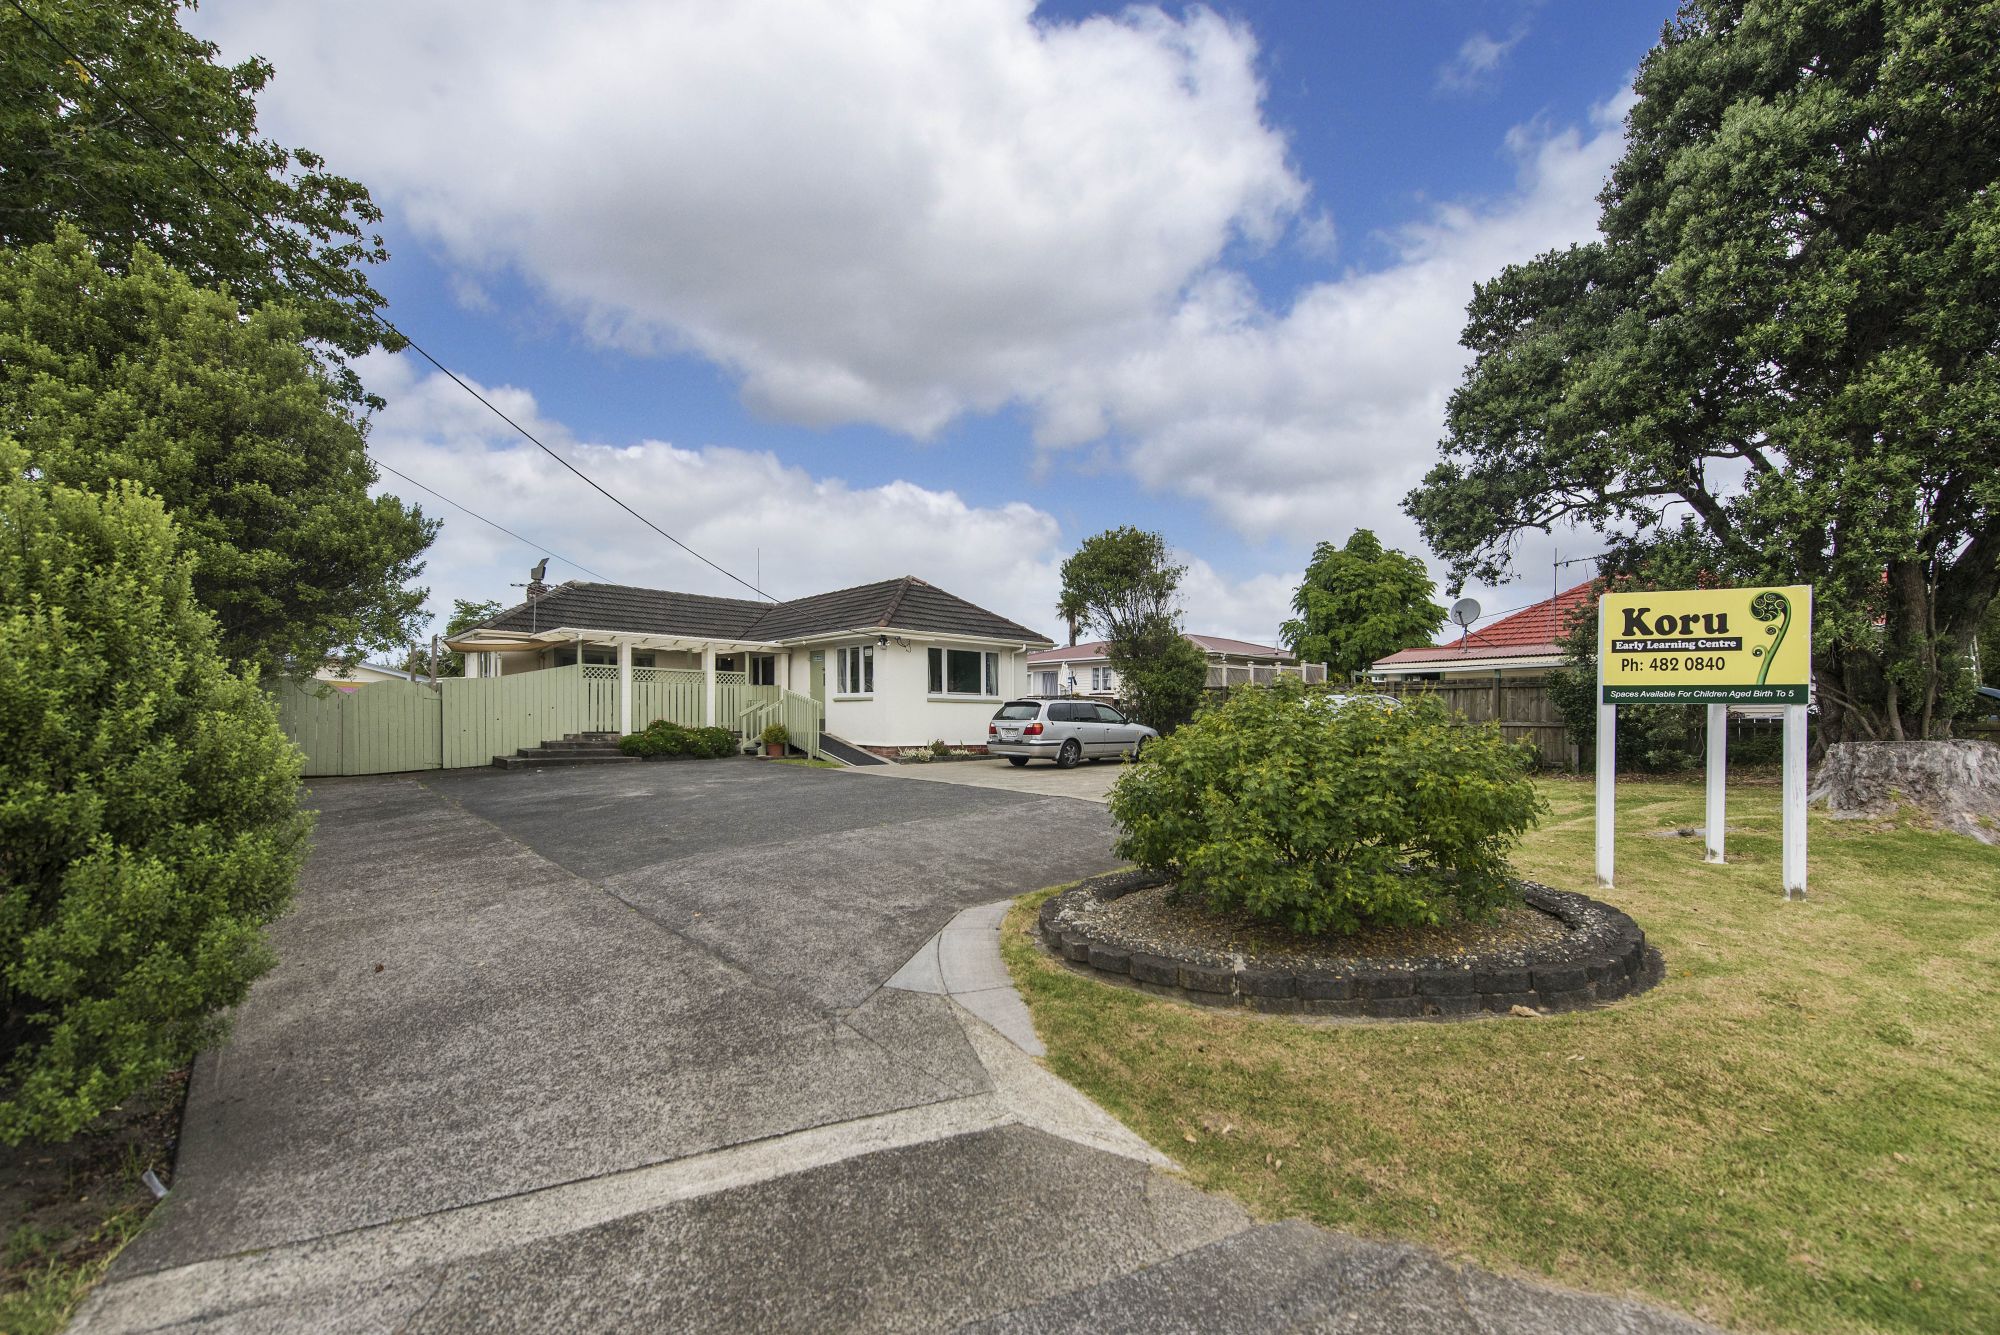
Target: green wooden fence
{"points": [[385, 728], [486, 717], [391, 727]]}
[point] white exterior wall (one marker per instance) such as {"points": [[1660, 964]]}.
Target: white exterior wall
{"points": [[902, 712]]}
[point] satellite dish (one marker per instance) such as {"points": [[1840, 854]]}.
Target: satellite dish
{"points": [[1464, 612]]}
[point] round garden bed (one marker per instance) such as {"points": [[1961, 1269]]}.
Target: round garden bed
{"points": [[1555, 951]]}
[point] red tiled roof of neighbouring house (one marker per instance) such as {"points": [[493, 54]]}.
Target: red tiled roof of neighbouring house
{"points": [[1527, 633]]}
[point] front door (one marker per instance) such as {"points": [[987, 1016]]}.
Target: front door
{"points": [[817, 675]]}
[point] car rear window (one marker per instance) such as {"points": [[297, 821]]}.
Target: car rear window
{"points": [[1020, 709]]}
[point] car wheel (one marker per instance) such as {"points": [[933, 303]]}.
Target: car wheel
{"points": [[1069, 755], [1017, 761]]}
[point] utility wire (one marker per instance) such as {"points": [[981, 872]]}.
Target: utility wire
{"points": [[270, 231], [484, 520]]}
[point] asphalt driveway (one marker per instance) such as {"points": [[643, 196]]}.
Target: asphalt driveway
{"points": [[610, 1048], [1088, 782]]}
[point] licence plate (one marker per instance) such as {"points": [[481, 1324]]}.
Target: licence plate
{"points": [[1010, 733]]}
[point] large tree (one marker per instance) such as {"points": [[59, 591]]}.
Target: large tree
{"points": [[1782, 351], [87, 144], [224, 415], [1124, 584], [1360, 602], [1120, 583]]}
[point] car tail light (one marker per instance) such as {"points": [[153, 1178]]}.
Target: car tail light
{"points": [[992, 730], [1032, 730]]}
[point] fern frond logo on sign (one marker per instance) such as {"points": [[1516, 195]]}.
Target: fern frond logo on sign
{"points": [[1707, 646]]}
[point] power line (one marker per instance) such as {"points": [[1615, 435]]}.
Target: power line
{"points": [[484, 520], [271, 232]]}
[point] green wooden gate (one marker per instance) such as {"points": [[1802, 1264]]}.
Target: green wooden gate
{"points": [[385, 728]]}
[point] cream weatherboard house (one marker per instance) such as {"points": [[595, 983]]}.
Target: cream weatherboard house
{"points": [[894, 664]]}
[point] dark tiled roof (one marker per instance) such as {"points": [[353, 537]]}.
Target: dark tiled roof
{"points": [[900, 604], [627, 607]]}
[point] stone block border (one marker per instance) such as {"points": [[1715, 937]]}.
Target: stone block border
{"points": [[1603, 957]]}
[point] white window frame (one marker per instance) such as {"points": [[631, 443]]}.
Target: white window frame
{"points": [[765, 665], [854, 671], [939, 685]]}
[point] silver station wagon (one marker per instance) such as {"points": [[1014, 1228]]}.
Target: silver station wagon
{"points": [[1065, 731]]}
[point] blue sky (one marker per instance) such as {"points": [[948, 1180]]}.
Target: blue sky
{"points": [[941, 290]]}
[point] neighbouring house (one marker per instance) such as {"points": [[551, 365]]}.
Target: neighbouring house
{"points": [[1522, 645], [894, 664], [1085, 669], [359, 675]]}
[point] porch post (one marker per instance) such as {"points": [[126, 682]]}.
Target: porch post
{"points": [[624, 686], [708, 683]]}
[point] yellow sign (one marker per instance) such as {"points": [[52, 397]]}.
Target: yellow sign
{"points": [[1706, 646]]}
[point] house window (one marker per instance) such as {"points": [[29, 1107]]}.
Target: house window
{"points": [[1045, 683], [764, 670], [964, 672], [856, 669], [1103, 679]]}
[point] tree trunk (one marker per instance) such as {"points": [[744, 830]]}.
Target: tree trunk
{"points": [[1955, 785]]}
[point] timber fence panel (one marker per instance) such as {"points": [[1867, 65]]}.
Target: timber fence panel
{"points": [[1523, 709], [600, 698], [389, 728], [309, 714], [485, 717], [673, 694]]}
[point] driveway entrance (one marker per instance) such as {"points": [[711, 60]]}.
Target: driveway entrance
{"points": [[611, 1049]]}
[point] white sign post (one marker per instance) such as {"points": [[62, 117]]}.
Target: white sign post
{"points": [[1713, 647], [1607, 762], [1718, 765]]}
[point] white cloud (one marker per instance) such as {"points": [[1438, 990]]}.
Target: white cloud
{"points": [[1311, 422], [891, 213], [902, 212], [1477, 60], [743, 509]]}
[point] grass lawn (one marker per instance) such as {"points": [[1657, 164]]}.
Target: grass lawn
{"points": [[1798, 1130]]}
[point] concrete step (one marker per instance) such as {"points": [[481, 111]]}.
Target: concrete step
{"points": [[569, 749], [538, 760]]}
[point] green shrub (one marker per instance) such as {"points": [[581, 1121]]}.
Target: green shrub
{"points": [[662, 738], [775, 734], [1328, 819], [149, 818]]}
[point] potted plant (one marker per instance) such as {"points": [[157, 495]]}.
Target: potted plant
{"points": [[775, 739]]}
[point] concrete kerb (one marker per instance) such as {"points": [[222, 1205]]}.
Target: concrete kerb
{"points": [[1604, 958], [962, 963]]}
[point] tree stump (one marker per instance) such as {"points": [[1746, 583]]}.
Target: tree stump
{"points": [[1955, 784]]}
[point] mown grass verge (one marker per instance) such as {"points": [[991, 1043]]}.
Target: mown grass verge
{"points": [[1798, 1130]]}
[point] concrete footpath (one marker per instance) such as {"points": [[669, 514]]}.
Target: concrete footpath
{"points": [[715, 1046]]}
